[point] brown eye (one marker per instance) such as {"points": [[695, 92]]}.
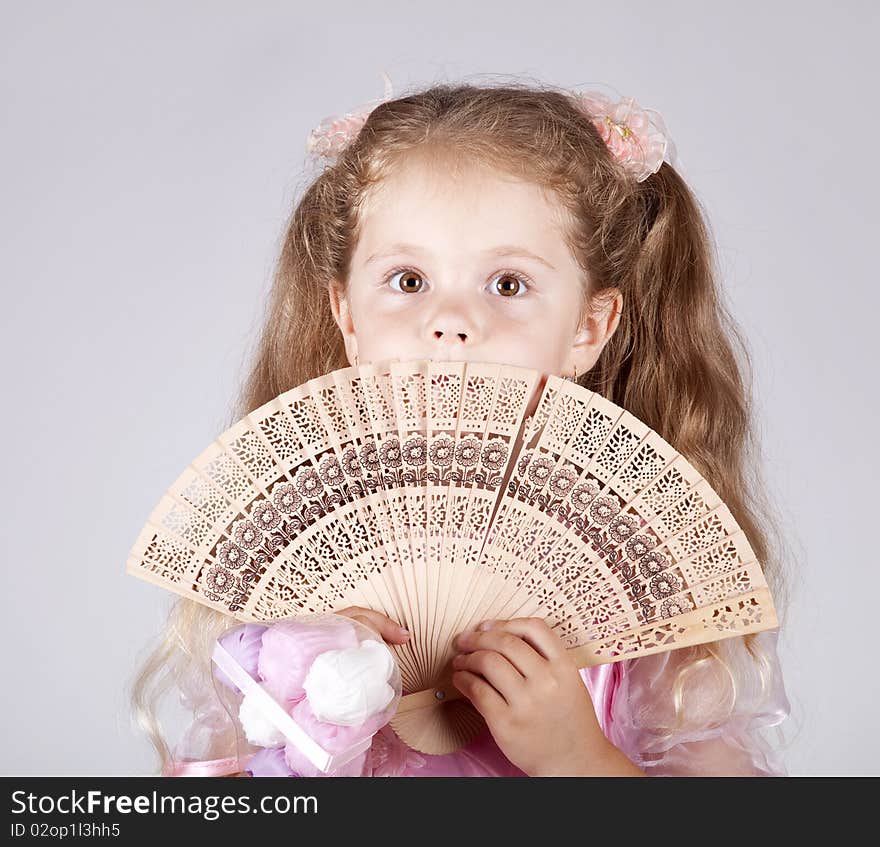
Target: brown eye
{"points": [[509, 285], [410, 281]]}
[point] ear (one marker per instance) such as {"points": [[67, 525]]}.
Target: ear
{"points": [[342, 315], [598, 323]]}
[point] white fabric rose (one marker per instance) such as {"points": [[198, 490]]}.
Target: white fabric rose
{"points": [[347, 687], [257, 727]]}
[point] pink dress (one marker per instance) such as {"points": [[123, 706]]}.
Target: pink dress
{"points": [[632, 700], [722, 734]]}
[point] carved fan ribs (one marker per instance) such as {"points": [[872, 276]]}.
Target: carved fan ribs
{"points": [[420, 489]]}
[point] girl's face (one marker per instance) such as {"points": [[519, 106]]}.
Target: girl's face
{"points": [[441, 272]]}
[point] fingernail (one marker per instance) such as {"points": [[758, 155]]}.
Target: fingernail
{"points": [[403, 631]]}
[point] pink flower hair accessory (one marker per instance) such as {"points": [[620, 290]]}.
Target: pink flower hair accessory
{"points": [[637, 137], [333, 133]]}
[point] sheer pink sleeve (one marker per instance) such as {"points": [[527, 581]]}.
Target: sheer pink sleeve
{"points": [[725, 714]]}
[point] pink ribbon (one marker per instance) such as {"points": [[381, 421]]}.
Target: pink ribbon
{"points": [[207, 767]]}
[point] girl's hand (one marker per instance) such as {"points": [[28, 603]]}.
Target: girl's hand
{"points": [[381, 624], [519, 676]]}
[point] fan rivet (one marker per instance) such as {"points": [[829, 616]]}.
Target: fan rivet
{"points": [[439, 694]]}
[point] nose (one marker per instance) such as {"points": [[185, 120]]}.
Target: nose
{"points": [[451, 328], [449, 337], [448, 343]]}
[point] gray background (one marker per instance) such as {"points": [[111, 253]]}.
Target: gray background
{"points": [[149, 154]]}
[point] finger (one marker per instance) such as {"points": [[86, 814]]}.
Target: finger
{"points": [[488, 702], [532, 630], [518, 653], [495, 669], [377, 621]]}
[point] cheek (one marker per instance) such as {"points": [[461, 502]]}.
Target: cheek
{"points": [[381, 335], [535, 353]]}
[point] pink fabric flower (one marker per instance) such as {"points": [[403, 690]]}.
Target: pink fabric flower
{"points": [[331, 136], [636, 137], [289, 647], [334, 738]]}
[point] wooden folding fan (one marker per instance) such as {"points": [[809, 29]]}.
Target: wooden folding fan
{"points": [[423, 489]]}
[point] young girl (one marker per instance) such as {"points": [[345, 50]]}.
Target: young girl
{"points": [[550, 230]]}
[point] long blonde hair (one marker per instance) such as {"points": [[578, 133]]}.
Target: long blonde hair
{"points": [[676, 361]]}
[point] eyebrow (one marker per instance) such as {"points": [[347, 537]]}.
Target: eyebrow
{"points": [[493, 252]]}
